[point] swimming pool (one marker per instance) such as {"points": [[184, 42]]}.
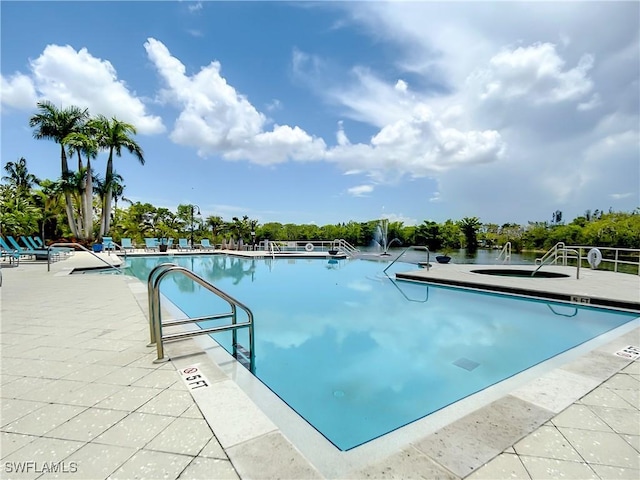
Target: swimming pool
{"points": [[358, 355]]}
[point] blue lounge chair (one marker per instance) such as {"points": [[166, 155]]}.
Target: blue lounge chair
{"points": [[126, 244], [206, 245], [151, 244], [38, 244], [31, 244], [39, 254], [10, 255], [37, 241], [183, 244], [107, 243]]}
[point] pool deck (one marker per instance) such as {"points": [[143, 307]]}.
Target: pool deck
{"points": [[79, 387]]}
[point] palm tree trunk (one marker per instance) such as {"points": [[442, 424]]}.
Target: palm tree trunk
{"points": [[105, 222], [88, 202], [67, 195]]}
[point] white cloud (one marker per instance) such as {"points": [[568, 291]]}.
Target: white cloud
{"points": [[274, 105], [620, 196], [418, 147], [535, 73], [18, 91], [194, 6], [399, 217], [360, 190], [66, 77], [565, 103], [216, 119]]}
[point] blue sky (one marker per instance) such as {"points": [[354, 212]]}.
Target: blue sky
{"points": [[327, 112]]}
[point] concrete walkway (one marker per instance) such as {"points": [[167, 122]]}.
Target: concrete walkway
{"points": [[82, 398]]}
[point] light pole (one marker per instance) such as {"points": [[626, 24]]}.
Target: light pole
{"points": [[193, 207]]}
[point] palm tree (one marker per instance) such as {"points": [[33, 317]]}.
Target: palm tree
{"points": [[18, 176], [469, 227], [55, 124], [113, 135], [83, 143], [216, 223], [49, 199]]}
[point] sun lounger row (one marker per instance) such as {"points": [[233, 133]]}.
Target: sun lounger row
{"points": [[32, 247], [153, 244]]}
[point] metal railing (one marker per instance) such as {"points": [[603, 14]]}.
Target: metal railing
{"points": [[561, 253], [506, 251], [122, 249], [556, 252], [307, 246], [73, 244], [346, 247], [156, 324], [411, 247]]}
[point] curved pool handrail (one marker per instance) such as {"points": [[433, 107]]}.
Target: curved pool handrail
{"points": [[564, 251], [152, 305], [410, 247], [161, 272], [74, 244]]}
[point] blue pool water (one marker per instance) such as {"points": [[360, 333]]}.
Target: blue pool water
{"points": [[357, 354]]}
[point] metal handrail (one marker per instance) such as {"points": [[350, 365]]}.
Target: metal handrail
{"points": [[552, 252], [554, 259], [152, 304], [155, 314], [120, 247], [395, 284], [506, 251], [73, 244], [575, 311], [416, 247], [346, 246], [273, 247]]}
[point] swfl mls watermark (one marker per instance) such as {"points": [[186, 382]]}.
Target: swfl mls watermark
{"points": [[31, 466]]}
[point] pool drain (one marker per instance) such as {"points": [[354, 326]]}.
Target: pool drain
{"points": [[466, 364]]}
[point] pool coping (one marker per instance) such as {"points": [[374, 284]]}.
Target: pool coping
{"points": [[572, 291]]}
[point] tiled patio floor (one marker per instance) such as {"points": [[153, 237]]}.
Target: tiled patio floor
{"points": [[80, 393]]}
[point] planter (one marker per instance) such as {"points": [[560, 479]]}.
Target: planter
{"points": [[97, 247], [443, 258], [333, 252], [163, 247]]}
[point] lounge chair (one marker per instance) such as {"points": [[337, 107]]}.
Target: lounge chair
{"points": [[183, 244], [37, 241], [107, 243], [38, 244], [151, 244], [126, 244], [30, 243], [39, 254], [206, 245], [169, 243], [10, 255]]}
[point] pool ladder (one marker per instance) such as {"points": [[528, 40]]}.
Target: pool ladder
{"points": [[156, 325]]}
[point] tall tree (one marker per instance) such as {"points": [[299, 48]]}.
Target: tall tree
{"points": [[469, 227], [18, 176], [216, 223], [82, 142], [113, 135], [52, 123], [50, 200]]}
